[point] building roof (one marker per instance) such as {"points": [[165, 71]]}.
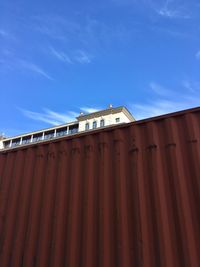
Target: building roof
{"points": [[106, 112], [124, 196]]}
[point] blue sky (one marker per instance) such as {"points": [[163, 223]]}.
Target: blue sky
{"points": [[58, 58]]}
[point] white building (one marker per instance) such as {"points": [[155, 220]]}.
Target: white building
{"points": [[84, 122]]}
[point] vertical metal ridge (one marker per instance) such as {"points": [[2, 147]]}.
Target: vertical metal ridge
{"points": [[23, 209], [85, 151], [35, 207], [137, 148], [107, 246], [47, 209], [75, 204], [9, 226], [62, 202], [183, 197], [151, 168], [192, 157], [172, 185], [148, 159], [133, 179], [3, 158], [122, 170], [169, 256], [3, 165], [89, 229], [99, 244], [114, 199], [6, 181]]}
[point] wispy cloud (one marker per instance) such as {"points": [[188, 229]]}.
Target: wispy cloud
{"points": [[165, 103], [89, 109], [3, 33], [172, 32], [12, 63], [169, 10], [60, 55], [7, 35], [160, 107], [32, 67], [49, 116], [198, 55], [78, 56], [82, 57], [55, 26], [55, 118], [191, 86], [87, 36], [159, 89]]}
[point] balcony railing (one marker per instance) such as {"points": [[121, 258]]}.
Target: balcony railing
{"points": [[43, 136]]}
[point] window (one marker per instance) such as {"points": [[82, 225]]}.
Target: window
{"points": [[16, 142], [73, 129], [49, 135], [6, 144], [117, 119], [102, 123], [61, 132], [26, 140], [94, 124], [37, 137], [87, 126]]}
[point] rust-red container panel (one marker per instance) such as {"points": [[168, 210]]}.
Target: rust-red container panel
{"points": [[123, 196]]}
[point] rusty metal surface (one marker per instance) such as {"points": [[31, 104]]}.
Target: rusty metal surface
{"points": [[125, 196]]}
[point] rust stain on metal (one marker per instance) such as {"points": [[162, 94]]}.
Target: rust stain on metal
{"points": [[125, 196]]}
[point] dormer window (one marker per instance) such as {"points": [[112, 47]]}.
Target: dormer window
{"points": [[117, 120]]}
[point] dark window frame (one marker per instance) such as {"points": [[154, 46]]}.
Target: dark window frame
{"points": [[102, 122], [87, 126], [94, 125]]}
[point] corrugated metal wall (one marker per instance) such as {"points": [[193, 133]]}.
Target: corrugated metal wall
{"points": [[127, 196]]}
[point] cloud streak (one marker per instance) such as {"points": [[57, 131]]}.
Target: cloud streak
{"points": [[160, 107], [89, 109], [3, 33], [9, 61], [165, 101], [60, 55], [55, 118], [49, 116], [79, 56], [6, 35], [171, 12], [82, 57], [159, 89], [34, 68], [55, 27], [31, 67], [198, 55], [192, 86]]}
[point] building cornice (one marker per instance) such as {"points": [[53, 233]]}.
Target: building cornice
{"points": [[106, 112]]}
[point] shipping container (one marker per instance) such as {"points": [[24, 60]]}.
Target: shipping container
{"points": [[124, 196]]}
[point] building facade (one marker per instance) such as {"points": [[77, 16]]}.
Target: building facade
{"points": [[84, 122]]}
